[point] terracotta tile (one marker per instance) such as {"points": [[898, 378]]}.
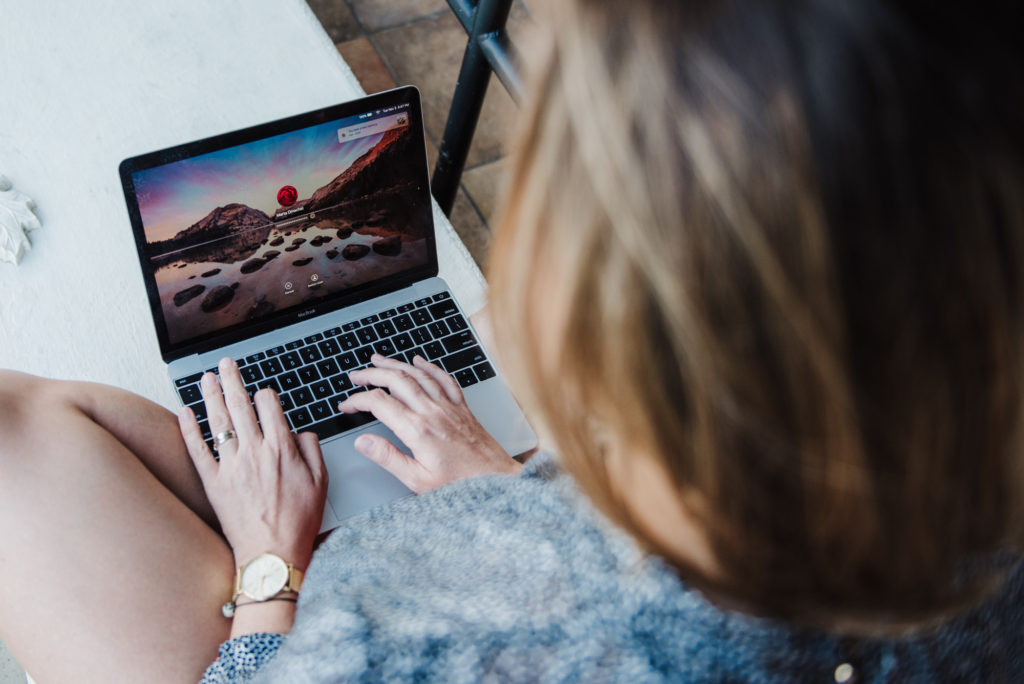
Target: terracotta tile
{"points": [[470, 228], [366, 64], [380, 14], [336, 18], [484, 185], [428, 54]]}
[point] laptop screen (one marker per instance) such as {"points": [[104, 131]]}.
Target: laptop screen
{"points": [[273, 222]]}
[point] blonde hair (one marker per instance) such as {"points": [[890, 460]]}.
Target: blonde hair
{"points": [[774, 247]]}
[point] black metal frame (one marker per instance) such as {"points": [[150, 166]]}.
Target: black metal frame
{"points": [[488, 49]]}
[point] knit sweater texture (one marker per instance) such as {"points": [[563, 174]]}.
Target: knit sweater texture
{"points": [[504, 578]]}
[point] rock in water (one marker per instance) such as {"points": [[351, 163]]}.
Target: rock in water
{"points": [[344, 233], [389, 246], [211, 273], [234, 286], [188, 293], [302, 262], [292, 248], [298, 241], [192, 277], [277, 242], [353, 252], [259, 309], [272, 254], [331, 253], [218, 298], [252, 265]]}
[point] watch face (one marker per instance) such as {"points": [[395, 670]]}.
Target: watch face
{"points": [[264, 576]]}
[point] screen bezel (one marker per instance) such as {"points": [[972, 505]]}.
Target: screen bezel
{"points": [[302, 311]]}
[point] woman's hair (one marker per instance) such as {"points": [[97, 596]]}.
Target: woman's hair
{"points": [[778, 246]]}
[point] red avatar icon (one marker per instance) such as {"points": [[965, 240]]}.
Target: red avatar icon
{"points": [[287, 195]]}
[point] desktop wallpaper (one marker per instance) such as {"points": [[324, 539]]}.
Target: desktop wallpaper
{"points": [[240, 233]]}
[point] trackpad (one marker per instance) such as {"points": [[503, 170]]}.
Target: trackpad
{"points": [[357, 483]]}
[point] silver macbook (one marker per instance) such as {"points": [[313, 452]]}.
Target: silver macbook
{"points": [[299, 248]]}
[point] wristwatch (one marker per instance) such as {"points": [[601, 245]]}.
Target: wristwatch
{"points": [[263, 578]]}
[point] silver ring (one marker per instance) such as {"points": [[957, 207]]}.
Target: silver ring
{"points": [[223, 437]]}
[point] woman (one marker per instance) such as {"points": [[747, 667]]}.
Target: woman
{"points": [[759, 284]]}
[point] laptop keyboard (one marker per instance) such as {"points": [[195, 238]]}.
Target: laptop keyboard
{"points": [[310, 375]]}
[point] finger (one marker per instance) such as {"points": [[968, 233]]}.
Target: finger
{"points": [[425, 381], [275, 427], [217, 412], [445, 381], [385, 408], [237, 400], [402, 385], [387, 456], [200, 454], [309, 447]]}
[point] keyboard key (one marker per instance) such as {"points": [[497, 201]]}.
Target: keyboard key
{"points": [[329, 348], [420, 335], [188, 380], [251, 389], [438, 329], [423, 302], [421, 316], [403, 323], [366, 335], [341, 383], [310, 354], [462, 340], [255, 357], [385, 347], [269, 383], [413, 353], [302, 396], [289, 381], [363, 354], [200, 410], [293, 345], [300, 418], [309, 374], [390, 313], [348, 327], [443, 309], [434, 350], [332, 332], [312, 339], [385, 329], [368, 320], [327, 368], [442, 295], [456, 323], [403, 342], [271, 366], [465, 377], [466, 357], [286, 402], [275, 351], [348, 341], [320, 410], [348, 361], [321, 389], [340, 422], [251, 374], [484, 371], [190, 394], [291, 360], [406, 307]]}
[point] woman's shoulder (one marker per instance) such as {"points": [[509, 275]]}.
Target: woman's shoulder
{"points": [[521, 577]]}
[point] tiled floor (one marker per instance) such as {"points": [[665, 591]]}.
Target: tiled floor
{"points": [[420, 42]]}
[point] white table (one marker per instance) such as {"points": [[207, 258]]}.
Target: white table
{"points": [[84, 85]]}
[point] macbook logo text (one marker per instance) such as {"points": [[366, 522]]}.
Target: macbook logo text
{"points": [[307, 312]]}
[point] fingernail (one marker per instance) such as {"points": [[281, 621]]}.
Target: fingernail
{"points": [[364, 444]]}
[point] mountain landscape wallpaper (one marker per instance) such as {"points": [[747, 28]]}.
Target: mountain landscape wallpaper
{"points": [[239, 234]]}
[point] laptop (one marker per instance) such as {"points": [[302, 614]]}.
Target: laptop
{"points": [[299, 248]]}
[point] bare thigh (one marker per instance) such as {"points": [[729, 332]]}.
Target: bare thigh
{"points": [[106, 574]]}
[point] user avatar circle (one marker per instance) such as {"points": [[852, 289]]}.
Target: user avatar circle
{"points": [[287, 195]]}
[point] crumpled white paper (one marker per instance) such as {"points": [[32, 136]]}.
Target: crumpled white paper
{"points": [[16, 220]]}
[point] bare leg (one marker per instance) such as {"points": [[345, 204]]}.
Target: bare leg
{"points": [[105, 574]]}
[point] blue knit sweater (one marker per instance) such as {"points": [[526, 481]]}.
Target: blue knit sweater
{"points": [[520, 579]]}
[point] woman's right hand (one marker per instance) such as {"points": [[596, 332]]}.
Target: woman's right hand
{"points": [[269, 488], [427, 411]]}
